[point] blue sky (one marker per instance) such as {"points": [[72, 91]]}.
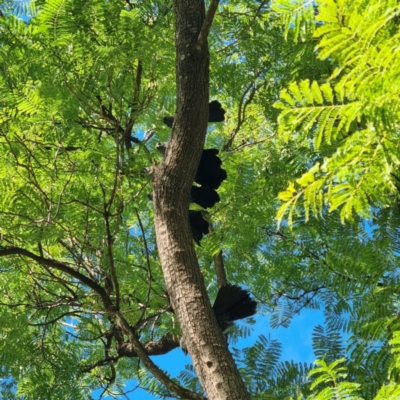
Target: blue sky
{"points": [[296, 343]]}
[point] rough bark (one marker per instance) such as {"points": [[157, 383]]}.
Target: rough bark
{"points": [[172, 181], [152, 347]]}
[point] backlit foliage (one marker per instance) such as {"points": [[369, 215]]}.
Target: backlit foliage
{"points": [[311, 93]]}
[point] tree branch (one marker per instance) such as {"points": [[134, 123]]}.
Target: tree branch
{"points": [[61, 267], [220, 269], [114, 315], [152, 347], [149, 364], [205, 29], [149, 275]]}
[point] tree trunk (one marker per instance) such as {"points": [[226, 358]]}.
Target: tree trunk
{"points": [[172, 182]]}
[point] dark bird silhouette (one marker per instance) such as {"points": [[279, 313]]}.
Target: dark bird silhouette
{"points": [[209, 171], [204, 196], [232, 303], [215, 114], [198, 225]]}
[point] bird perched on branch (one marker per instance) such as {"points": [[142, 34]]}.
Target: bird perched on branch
{"points": [[209, 171], [232, 303], [198, 225], [215, 114], [204, 196], [209, 175]]}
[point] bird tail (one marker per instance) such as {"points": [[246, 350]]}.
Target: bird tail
{"points": [[235, 301]]}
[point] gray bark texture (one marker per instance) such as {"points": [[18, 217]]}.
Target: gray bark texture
{"points": [[172, 181]]}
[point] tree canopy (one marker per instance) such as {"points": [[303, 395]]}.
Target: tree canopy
{"points": [[308, 216]]}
